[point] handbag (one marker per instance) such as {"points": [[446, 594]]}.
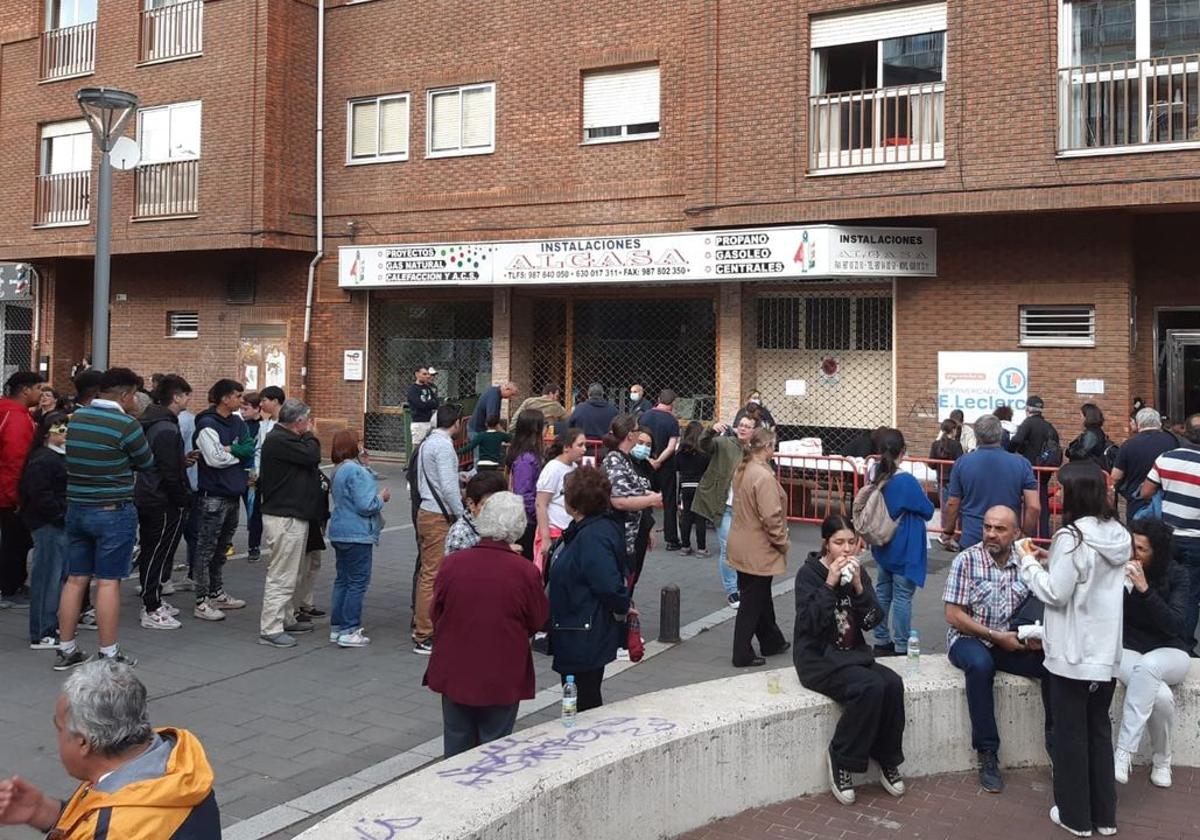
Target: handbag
{"points": [[633, 637]]}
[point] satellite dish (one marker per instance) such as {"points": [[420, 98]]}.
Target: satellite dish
{"points": [[125, 153]]}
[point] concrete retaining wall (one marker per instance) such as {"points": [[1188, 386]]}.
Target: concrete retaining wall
{"points": [[690, 755]]}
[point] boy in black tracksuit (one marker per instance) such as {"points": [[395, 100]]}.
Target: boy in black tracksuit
{"points": [[163, 498]]}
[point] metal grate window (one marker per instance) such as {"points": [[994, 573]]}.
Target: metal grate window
{"points": [[873, 322], [827, 324], [183, 324], [1058, 326], [779, 323]]}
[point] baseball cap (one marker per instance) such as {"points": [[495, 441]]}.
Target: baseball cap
{"points": [[432, 371], [1035, 402]]}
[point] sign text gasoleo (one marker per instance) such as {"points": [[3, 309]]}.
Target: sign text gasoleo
{"points": [[703, 256]]}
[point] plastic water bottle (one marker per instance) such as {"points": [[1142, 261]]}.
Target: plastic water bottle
{"points": [[570, 701], [914, 652]]}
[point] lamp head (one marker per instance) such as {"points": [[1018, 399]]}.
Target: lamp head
{"points": [[106, 111]]}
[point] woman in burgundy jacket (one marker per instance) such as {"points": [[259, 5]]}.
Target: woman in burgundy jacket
{"points": [[487, 602]]}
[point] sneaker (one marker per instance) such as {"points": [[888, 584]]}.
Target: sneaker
{"points": [[989, 772], [159, 620], [44, 643], [87, 621], [1122, 761], [886, 650], [1106, 830], [686, 551], [841, 782], [311, 612], [168, 588], [225, 601], [424, 648], [67, 661], [1054, 818], [891, 780], [298, 626], [333, 635], [169, 609], [205, 611], [622, 654], [253, 555], [229, 552], [734, 600], [186, 585], [353, 640], [672, 547], [949, 544], [279, 640], [1160, 773], [180, 567], [19, 600], [119, 656], [702, 552]]}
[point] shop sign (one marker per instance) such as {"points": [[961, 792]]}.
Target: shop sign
{"points": [[16, 281], [979, 383], [814, 252]]}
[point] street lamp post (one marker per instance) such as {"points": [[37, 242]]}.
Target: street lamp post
{"points": [[106, 110]]}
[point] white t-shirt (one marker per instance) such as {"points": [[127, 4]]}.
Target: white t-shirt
{"points": [[551, 480]]}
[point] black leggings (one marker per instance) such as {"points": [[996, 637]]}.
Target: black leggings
{"points": [[587, 683], [1085, 788], [689, 519]]}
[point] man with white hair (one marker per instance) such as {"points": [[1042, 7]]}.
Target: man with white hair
{"points": [[1137, 455], [987, 477], [487, 601], [136, 781]]}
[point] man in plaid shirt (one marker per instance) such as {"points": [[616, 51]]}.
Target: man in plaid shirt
{"points": [[983, 593]]}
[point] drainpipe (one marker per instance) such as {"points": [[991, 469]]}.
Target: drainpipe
{"points": [[312, 266]]}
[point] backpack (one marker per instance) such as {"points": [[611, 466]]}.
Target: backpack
{"points": [[870, 515], [1052, 451]]}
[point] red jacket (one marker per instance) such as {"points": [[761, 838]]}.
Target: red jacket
{"points": [[487, 602], [16, 438]]}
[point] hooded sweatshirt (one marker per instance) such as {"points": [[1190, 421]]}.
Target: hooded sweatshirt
{"points": [[167, 484], [165, 793], [221, 473], [1083, 589]]}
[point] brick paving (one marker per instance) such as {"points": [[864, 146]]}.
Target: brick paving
{"points": [[954, 807]]}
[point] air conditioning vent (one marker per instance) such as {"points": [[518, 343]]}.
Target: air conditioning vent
{"points": [[1058, 326], [240, 288]]}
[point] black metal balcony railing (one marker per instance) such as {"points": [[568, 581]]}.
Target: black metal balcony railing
{"points": [[173, 31], [892, 125], [64, 199], [69, 51], [1130, 103], [167, 189]]}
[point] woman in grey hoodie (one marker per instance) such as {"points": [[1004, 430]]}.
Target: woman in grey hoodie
{"points": [[1082, 587]]}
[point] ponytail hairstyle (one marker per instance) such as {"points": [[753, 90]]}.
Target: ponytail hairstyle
{"points": [[941, 447], [889, 443], [623, 425], [527, 436], [760, 440], [831, 525], [564, 439]]}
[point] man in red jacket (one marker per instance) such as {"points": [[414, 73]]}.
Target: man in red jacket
{"points": [[22, 392]]}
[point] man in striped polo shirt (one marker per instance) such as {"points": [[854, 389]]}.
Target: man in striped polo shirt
{"points": [[104, 446], [1177, 474]]}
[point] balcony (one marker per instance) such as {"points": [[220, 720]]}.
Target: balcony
{"points": [[63, 199], [167, 189], [69, 51], [878, 128], [1129, 106], [171, 32]]}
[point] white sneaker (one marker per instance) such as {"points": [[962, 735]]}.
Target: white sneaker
{"points": [[1160, 773], [51, 643], [227, 602], [1054, 818], [1122, 761], [353, 640], [207, 612], [159, 620], [168, 588], [186, 585], [622, 654], [168, 609]]}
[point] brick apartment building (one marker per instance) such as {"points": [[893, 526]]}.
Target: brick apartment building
{"points": [[811, 199]]}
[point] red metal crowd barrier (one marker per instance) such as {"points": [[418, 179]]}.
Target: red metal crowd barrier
{"points": [[817, 485]]}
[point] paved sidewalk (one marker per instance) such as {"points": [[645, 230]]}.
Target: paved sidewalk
{"points": [[279, 724], [954, 807]]}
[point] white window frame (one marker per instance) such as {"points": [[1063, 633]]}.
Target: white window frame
{"points": [[173, 332], [1056, 341], [171, 151], [50, 8], [351, 160], [624, 136], [460, 151], [63, 128]]}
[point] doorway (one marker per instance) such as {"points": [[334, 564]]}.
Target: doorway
{"points": [[1177, 349], [262, 356]]}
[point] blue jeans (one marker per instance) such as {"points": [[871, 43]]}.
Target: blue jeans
{"points": [[1187, 554], [895, 595], [101, 539], [728, 575], [46, 580], [980, 663], [350, 585]]}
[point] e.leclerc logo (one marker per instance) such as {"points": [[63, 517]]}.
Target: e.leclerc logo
{"points": [[1011, 380]]}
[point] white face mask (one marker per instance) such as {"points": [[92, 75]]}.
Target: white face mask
{"points": [[635, 396], [756, 400]]}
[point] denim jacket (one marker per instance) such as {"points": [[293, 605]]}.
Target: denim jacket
{"points": [[357, 508]]}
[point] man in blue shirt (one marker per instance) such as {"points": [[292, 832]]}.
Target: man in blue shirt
{"points": [[489, 405], [987, 477]]}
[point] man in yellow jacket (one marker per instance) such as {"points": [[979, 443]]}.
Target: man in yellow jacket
{"points": [[138, 783]]}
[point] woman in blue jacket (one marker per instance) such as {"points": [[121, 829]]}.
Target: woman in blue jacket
{"points": [[354, 531], [902, 562], [588, 595]]}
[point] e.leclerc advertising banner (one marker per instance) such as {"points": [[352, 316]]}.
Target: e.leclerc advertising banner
{"points": [[978, 383]]}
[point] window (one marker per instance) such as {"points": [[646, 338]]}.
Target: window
{"points": [[169, 132], [827, 324], [171, 29], [873, 317], [378, 129], [64, 183], [66, 147], [1130, 73], [878, 86], [621, 104], [183, 325], [1058, 326], [461, 121], [61, 14], [779, 323]]}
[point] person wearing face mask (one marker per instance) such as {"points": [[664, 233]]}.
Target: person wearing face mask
{"points": [[754, 398], [631, 490], [714, 495], [638, 402]]}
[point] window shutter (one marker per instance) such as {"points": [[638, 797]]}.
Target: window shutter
{"points": [[393, 126], [447, 125], [888, 22], [62, 129], [621, 97], [477, 106], [364, 126]]}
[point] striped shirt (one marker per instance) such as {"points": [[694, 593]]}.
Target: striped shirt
{"points": [[1178, 474], [104, 447]]}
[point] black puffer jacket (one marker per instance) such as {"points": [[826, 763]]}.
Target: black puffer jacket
{"points": [[43, 489], [166, 485]]}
